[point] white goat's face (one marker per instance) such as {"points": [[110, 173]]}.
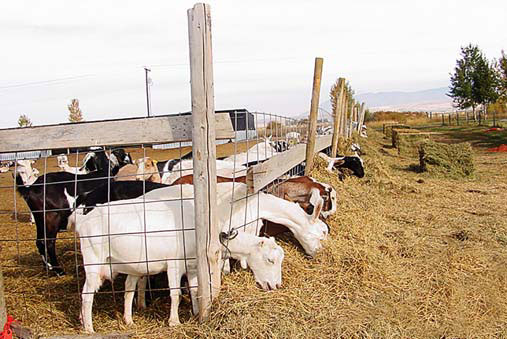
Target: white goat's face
{"points": [[62, 160], [265, 261], [311, 238], [315, 230], [26, 171]]}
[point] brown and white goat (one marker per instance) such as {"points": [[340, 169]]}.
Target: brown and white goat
{"points": [[147, 170], [305, 191]]}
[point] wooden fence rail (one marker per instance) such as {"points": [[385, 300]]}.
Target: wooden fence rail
{"points": [[169, 128]]}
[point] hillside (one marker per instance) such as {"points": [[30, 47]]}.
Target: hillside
{"points": [[434, 99]]}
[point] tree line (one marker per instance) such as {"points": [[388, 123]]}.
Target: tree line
{"points": [[479, 82], [75, 114]]}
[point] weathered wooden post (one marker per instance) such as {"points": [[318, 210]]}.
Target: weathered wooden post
{"points": [[343, 124], [312, 126], [337, 116], [457, 118], [351, 119], [361, 117], [443, 122], [466, 116], [3, 310], [204, 157]]}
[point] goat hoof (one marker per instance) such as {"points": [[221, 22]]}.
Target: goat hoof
{"points": [[58, 271], [173, 323]]}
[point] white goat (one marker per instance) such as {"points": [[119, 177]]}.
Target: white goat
{"points": [[128, 241], [224, 168], [63, 163], [28, 173], [258, 152], [236, 211]]}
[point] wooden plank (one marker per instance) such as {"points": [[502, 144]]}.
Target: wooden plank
{"points": [[131, 131], [314, 111], [204, 157], [261, 175], [21, 332], [337, 117]]}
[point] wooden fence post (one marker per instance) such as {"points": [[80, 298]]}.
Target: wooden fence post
{"points": [[443, 122], [449, 116], [3, 311], [312, 126], [337, 117], [204, 157], [457, 118], [361, 117], [351, 119], [343, 124]]}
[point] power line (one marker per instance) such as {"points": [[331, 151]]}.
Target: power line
{"points": [[80, 77]]}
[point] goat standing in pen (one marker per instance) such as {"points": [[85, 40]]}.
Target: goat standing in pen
{"points": [[47, 202], [169, 233]]}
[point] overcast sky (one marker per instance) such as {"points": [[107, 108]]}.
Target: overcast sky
{"points": [[53, 51]]}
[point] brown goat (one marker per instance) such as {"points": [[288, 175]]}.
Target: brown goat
{"points": [[126, 173]]}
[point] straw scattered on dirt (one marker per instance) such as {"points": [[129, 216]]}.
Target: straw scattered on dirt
{"points": [[409, 255]]}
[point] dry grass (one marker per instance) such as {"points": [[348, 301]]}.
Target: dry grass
{"points": [[409, 256]]}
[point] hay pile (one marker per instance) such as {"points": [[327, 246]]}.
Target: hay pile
{"points": [[454, 160], [388, 128], [407, 141], [396, 131]]}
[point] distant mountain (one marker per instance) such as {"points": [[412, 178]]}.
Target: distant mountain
{"points": [[434, 99]]}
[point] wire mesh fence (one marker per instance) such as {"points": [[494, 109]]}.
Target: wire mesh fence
{"points": [[72, 222]]}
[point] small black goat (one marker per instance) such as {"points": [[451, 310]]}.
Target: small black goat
{"points": [[47, 202]]}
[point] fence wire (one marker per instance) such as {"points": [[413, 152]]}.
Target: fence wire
{"points": [[40, 298]]}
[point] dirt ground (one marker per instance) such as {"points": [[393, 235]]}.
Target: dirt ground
{"points": [[409, 256]]}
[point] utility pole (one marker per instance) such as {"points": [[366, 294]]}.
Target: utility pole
{"points": [[148, 82]]}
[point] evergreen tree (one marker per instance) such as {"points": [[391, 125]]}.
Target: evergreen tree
{"points": [[334, 95], [24, 121], [75, 114], [461, 89], [485, 83], [502, 75], [475, 81]]}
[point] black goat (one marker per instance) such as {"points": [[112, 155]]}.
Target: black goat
{"points": [[47, 202], [118, 190]]}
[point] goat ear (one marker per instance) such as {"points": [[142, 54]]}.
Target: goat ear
{"points": [[315, 196], [317, 208]]}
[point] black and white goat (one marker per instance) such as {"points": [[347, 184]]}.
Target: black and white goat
{"points": [[48, 203], [352, 163]]}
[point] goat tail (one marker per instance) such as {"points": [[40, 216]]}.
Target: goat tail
{"points": [[21, 188]]}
